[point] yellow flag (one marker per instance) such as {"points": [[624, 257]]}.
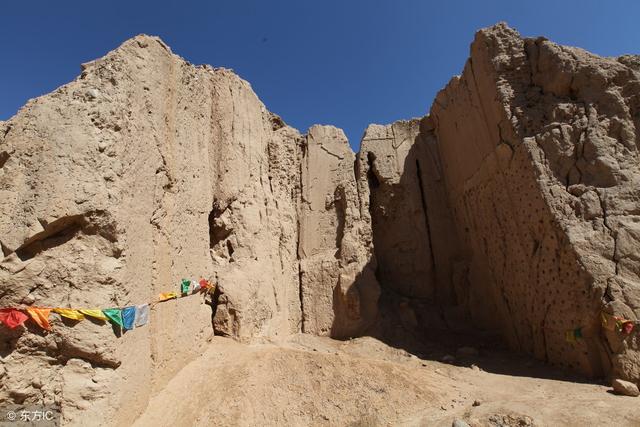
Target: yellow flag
{"points": [[167, 295], [69, 313], [608, 321], [96, 313], [570, 337]]}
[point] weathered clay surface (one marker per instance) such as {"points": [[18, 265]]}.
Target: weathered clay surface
{"points": [[539, 150], [339, 289], [414, 236], [144, 170]]}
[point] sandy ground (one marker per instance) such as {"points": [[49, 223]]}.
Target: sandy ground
{"points": [[363, 382]]}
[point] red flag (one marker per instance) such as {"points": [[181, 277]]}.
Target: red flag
{"points": [[206, 286], [12, 317]]}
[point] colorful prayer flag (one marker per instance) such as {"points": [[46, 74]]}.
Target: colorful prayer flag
{"points": [[40, 316], [93, 312], [12, 317], [206, 286], [69, 313], [128, 317], [167, 296], [142, 315], [608, 321], [114, 314], [185, 286], [627, 327], [574, 335], [569, 337], [195, 286]]}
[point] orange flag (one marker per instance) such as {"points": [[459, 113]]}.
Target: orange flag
{"points": [[40, 316]]}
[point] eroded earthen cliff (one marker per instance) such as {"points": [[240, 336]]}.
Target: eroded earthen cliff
{"points": [[539, 147], [145, 170]]}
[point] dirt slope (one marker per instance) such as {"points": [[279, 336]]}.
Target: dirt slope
{"points": [[363, 382]]}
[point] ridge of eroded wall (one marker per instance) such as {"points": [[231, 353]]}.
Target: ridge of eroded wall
{"points": [[539, 146]]}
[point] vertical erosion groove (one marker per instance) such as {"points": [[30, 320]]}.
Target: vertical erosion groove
{"points": [[371, 177], [340, 205], [218, 230], [301, 297], [301, 159], [374, 183], [425, 211], [4, 156]]}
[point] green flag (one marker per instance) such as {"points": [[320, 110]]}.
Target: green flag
{"points": [[114, 314], [185, 286]]}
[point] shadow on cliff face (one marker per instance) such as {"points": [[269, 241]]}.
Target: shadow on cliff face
{"points": [[424, 305], [420, 267], [420, 264], [353, 306]]}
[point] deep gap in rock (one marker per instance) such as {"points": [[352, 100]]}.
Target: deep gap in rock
{"points": [[425, 212], [340, 208], [230, 248], [217, 231], [4, 156], [371, 176], [301, 295], [215, 299]]}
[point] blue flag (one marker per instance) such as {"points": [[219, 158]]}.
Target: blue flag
{"points": [[128, 317]]}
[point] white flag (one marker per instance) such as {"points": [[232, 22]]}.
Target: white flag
{"points": [[142, 315]]}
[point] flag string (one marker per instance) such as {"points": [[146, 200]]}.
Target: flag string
{"points": [[126, 318], [609, 322]]}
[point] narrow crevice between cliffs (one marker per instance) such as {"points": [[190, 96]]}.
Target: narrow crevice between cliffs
{"points": [[301, 154], [425, 212], [4, 156], [373, 183], [340, 208]]}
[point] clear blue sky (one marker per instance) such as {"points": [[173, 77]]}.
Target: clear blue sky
{"points": [[345, 62]]}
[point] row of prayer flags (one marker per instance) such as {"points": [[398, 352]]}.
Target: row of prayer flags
{"points": [[126, 318], [40, 316], [130, 317], [574, 335], [12, 318], [69, 313], [620, 324], [610, 323]]}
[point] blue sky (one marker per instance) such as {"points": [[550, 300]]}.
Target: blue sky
{"points": [[347, 63]]}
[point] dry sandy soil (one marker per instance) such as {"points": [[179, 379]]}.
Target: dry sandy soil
{"points": [[363, 382]]}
